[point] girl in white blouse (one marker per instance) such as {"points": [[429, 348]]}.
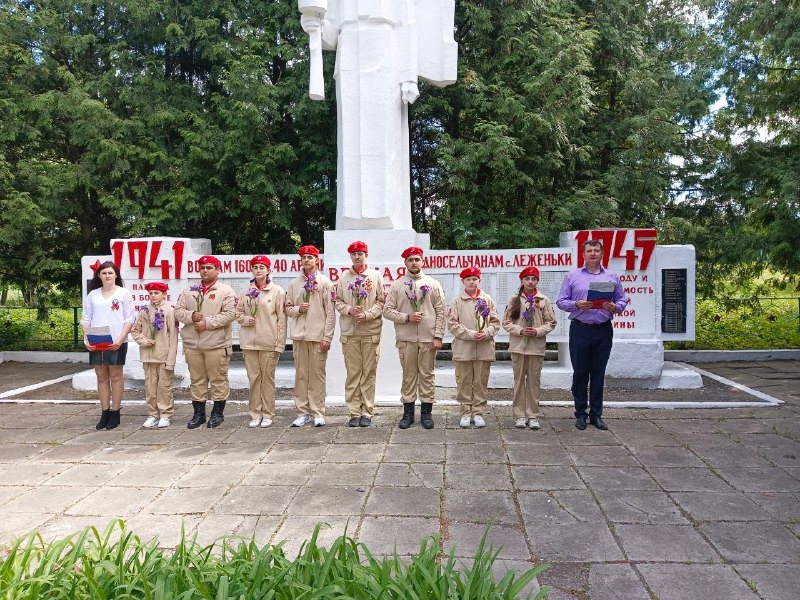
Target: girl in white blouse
{"points": [[110, 305]]}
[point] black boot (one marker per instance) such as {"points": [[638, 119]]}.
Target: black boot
{"points": [[103, 422], [217, 417], [113, 419], [199, 416], [408, 416], [425, 415]]}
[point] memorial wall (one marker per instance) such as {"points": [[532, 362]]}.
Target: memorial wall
{"points": [[658, 280]]}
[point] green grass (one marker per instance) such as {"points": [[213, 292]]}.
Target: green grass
{"points": [[117, 564]]}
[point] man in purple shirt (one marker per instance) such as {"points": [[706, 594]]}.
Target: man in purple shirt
{"points": [[590, 331]]}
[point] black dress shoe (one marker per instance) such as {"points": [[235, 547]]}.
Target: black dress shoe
{"points": [[354, 422], [580, 423], [598, 422], [365, 422]]}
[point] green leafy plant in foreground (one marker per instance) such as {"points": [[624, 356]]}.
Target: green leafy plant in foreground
{"points": [[118, 564]]}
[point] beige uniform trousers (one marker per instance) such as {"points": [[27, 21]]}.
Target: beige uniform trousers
{"points": [[208, 368], [472, 379], [158, 389], [418, 360], [309, 378], [260, 366], [361, 365], [527, 384]]}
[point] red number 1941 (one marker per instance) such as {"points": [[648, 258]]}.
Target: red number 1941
{"points": [[142, 254]]}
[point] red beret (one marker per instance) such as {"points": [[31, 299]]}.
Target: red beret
{"points": [[210, 260], [470, 272], [313, 250], [159, 286], [260, 258], [412, 251], [529, 271], [357, 246]]}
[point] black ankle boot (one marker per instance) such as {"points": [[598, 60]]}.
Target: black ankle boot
{"points": [[425, 415], [199, 416], [103, 422], [113, 419], [408, 416], [217, 417]]}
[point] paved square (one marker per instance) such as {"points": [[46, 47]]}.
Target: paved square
{"points": [[667, 504]]}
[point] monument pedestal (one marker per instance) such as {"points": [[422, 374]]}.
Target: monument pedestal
{"points": [[385, 247]]}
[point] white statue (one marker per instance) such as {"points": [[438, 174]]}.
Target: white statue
{"points": [[382, 47]]}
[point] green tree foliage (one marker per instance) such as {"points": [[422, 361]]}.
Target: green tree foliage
{"points": [[565, 117], [192, 118], [742, 202], [141, 118], [762, 77]]}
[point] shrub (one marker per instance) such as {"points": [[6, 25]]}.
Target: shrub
{"points": [[39, 328], [744, 324]]}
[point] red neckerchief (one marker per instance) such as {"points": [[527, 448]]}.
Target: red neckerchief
{"points": [[357, 272], [266, 284], [477, 293], [205, 289]]}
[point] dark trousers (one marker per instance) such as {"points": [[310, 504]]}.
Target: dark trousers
{"points": [[589, 349]]}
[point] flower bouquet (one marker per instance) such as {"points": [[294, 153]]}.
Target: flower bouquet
{"points": [[416, 299], [528, 313], [251, 301], [198, 296], [360, 288], [482, 311], [310, 286]]}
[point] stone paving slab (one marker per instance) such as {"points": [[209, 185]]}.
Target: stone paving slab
{"points": [[776, 582], [682, 581], [667, 504]]}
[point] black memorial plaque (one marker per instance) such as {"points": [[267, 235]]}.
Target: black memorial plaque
{"points": [[673, 300]]}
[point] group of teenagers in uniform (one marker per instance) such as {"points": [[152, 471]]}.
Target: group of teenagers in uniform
{"points": [[415, 303]]}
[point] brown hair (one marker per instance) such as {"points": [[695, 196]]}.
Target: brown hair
{"points": [[516, 305], [592, 243], [96, 283]]}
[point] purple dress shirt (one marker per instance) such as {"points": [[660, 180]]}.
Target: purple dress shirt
{"points": [[576, 287]]}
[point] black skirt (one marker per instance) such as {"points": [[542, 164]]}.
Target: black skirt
{"points": [[109, 357]]}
